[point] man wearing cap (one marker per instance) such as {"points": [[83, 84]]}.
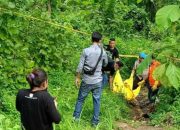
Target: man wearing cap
{"points": [[139, 78]]}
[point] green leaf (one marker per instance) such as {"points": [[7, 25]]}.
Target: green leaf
{"points": [[165, 81], [7, 122], [173, 74], [43, 52], [16, 127], [139, 1], [31, 64], [2, 117], [160, 74], [159, 71], [13, 31], [11, 5], [144, 65], [166, 15]]}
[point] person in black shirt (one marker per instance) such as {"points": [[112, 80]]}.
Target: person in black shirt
{"points": [[38, 109], [113, 55], [112, 51]]}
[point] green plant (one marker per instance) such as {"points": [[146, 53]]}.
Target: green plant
{"points": [[51, 34]]}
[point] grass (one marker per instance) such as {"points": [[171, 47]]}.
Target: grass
{"points": [[113, 106], [61, 85]]}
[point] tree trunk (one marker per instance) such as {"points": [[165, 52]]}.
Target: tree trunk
{"points": [[151, 9]]}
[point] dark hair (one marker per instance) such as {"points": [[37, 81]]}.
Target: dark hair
{"points": [[96, 37], [112, 39], [153, 56], [119, 63], [36, 78]]}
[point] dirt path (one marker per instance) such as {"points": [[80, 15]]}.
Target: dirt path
{"points": [[125, 126], [142, 107], [140, 113]]}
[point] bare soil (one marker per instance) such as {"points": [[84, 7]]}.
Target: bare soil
{"points": [[125, 126], [141, 108]]}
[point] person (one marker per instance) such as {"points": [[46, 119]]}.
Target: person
{"points": [[90, 82], [139, 79], [38, 109], [113, 55], [153, 85], [118, 65]]}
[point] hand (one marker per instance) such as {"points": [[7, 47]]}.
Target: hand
{"points": [[55, 102], [133, 71], [141, 82], [77, 82], [117, 59], [154, 87]]}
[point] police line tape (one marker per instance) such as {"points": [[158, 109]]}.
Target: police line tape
{"points": [[67, 28], [129, 56]]}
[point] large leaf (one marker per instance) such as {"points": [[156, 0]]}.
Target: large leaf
{"points": [[139, 1], [173, 74], [144, 64], [160, 74], [11, 5], [166, 15]]}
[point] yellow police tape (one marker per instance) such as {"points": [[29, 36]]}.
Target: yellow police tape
{"points": [[130, 56], [42, 20], [125, 87], [65, 27]]}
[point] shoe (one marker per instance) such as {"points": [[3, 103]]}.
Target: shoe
{"points": [[94, 125], [76, 120], [157, 100]]}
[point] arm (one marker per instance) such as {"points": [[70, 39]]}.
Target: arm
{"points": [[155, 86], [135, 66], [81, 63], [80, 68], [105, 59], [77, 81], [18, 102], [52, 112], [145, 74], [116, 55]]}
